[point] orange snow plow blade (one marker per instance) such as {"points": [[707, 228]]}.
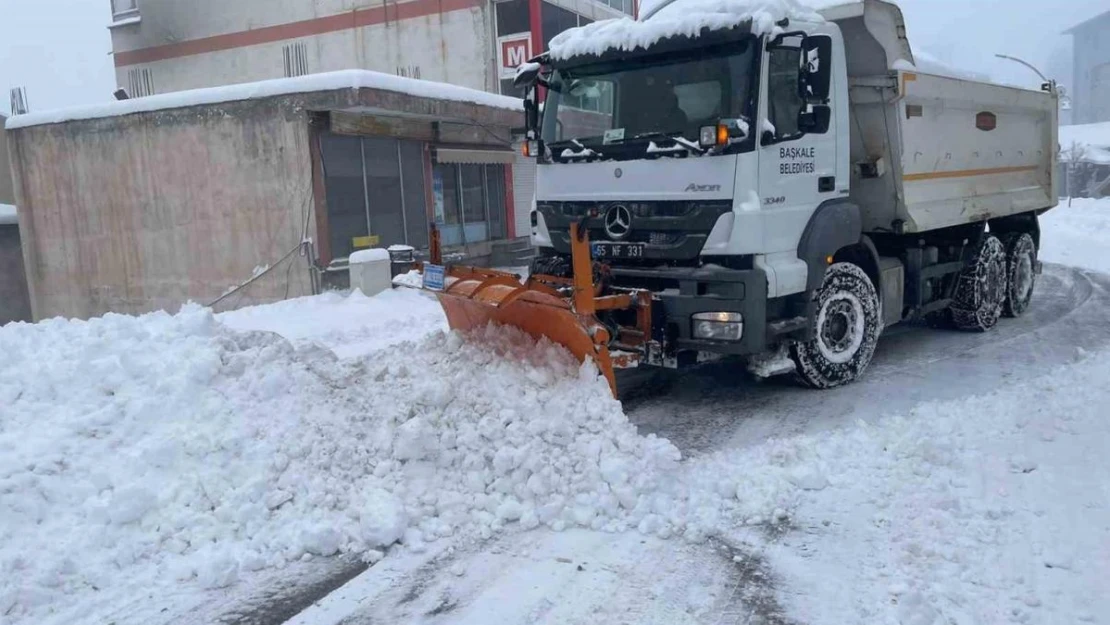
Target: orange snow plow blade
{"points": [[560, 309], [474, 302]]}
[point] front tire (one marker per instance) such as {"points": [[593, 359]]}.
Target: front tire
{"points": [[981, 291], [1021, 274], [846, 328]]}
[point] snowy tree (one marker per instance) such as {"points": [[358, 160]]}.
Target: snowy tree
{"points": [[1073, 156]]}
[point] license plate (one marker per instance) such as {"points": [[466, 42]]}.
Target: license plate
{"points": [[433, 277], [618, 250]]}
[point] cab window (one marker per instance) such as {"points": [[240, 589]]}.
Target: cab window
{"points": [[784, 102]]}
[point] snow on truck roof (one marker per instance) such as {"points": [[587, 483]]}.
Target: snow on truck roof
{"points": [[330, 81], [661, 19], [678, 18]]}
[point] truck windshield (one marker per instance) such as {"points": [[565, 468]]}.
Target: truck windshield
{"points": [[604, 109]]}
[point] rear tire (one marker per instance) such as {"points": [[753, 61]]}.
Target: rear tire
{"points": [[981, 291], [1021, 276], [846, 328]]}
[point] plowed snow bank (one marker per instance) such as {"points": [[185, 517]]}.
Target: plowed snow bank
{"points": [[138, 452]]}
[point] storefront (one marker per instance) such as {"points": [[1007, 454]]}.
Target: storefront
{"points": [[383, 191]]}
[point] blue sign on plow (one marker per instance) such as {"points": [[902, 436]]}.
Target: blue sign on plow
{"points": [[433, 277]]}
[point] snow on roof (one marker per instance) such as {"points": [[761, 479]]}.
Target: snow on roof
{"points": [[1088, 143], [368, 256], [347, 79], [929, 64], [7, 215], [682, 17]]}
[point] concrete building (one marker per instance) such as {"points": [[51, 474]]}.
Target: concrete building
{"points": [[15, 305], [1091, 87], [161, 46], [164, 46], [147, 203], [7, 192], [1085, 160]]}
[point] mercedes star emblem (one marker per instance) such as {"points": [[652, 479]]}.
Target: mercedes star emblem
{"points": [[618, 222], [618, 172]]}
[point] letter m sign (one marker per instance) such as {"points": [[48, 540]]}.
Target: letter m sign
{"points": [[512, 51]]}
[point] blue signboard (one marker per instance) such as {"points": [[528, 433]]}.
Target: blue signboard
{"points": [[433, 277]]}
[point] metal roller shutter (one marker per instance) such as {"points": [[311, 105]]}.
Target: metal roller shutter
{"points": [[524, 188]]}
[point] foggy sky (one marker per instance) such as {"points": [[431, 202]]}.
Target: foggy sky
{"points": [[59, 50]]}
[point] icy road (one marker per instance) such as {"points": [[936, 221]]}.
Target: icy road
{"points": [[189, 469]]}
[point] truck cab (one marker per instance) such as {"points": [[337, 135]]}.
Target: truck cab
{"points": [[713, 161]]}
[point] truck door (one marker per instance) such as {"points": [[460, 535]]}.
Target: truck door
{"points": [[797, 161]]}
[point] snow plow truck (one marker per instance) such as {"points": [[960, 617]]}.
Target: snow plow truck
{"points": [[779, 184]]}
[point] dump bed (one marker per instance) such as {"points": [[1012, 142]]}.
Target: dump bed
{"points": [[929, 150]]}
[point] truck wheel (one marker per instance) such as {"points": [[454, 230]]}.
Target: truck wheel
{"points": [[846, 328], [982, 288], [1021, 277]]}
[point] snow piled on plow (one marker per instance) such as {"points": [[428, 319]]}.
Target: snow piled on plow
{"points": [[139, 453]]}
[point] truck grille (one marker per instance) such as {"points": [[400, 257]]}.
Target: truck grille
{"points": [[670, 230]]}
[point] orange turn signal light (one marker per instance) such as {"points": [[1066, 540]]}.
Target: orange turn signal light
{"points": [[722, 135]]}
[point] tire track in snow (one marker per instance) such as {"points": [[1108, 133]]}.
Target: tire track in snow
{"points": [[719, 406]]}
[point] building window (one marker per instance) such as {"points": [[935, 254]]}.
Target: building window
{"points": [[512, 17], [295, 57], [140, 82], [123, 9], [375, 193], [469, 202], [555, 20]]}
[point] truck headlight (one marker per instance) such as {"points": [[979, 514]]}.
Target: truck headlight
{"points": [[707, 136], [719, 326]]}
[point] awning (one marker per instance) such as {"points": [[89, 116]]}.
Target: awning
{"points": [[474, 157]]}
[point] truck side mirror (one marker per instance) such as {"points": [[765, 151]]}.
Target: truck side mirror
{"points": [[527, 75], [531, 111], [815, 75], [816, 120]]}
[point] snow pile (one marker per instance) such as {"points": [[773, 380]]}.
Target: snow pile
{"points": [[350, 325], [985, 510], [150, 452], [682, 18], [1076, 235], [368, 256], [8, 215], [328, 81]]}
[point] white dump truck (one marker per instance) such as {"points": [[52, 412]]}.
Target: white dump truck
{"points": [[785, 182]]}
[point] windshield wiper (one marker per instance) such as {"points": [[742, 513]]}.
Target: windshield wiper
{"points": [[679, 140], [582, 152]]}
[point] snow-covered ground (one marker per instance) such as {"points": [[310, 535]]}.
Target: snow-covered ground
{"points": [[1078, 235], [160, 468]]}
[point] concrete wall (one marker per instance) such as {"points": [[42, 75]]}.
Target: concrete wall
{"points": [[203, 43], [455, 45], [1091, 95], [7, 191], [15, 305], [146, 211]]}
